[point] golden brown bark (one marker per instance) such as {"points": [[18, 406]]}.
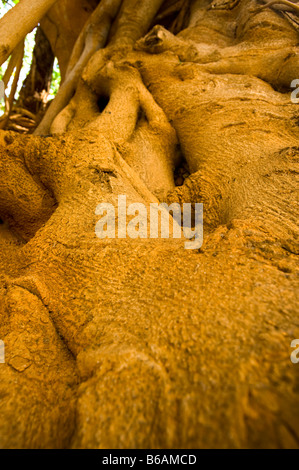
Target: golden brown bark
{"points": [[123, 343]]}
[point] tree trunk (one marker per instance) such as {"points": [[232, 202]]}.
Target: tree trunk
{"points": [[141, 343]]}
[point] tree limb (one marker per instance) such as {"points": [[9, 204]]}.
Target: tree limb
{"points": [[18, 22]]}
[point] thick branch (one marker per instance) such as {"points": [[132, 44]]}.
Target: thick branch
{"points": [[134, 20], [18, 22]]}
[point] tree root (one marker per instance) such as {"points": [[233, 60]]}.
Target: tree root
{"points": [[92, 38], [279, 5], [128, 27], [15, 63]]}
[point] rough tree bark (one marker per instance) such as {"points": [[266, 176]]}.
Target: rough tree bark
{"points": [[127, 343]]}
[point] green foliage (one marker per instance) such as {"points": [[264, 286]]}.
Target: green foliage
{"points": [[9, 4], [56, 78]]}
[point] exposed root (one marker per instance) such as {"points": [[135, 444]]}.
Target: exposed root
{"points": [[280, 4], [181, 20], [15, 64], [174, 8], [132, 23], [95, 32], [93, 37]]}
